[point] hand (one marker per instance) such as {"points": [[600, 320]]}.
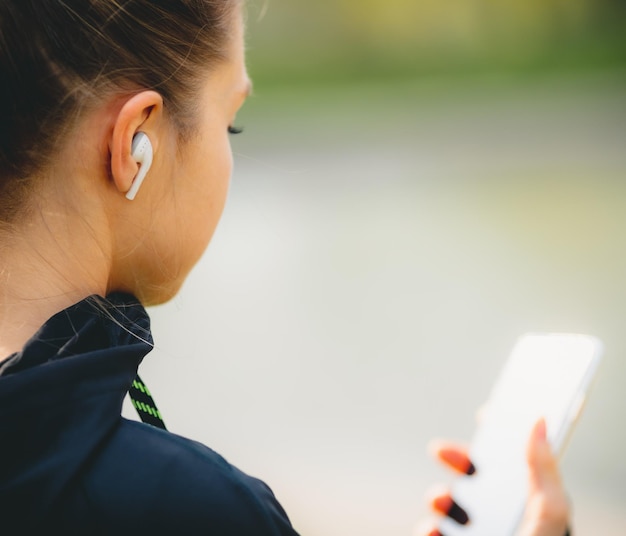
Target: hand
{"points": [[547, 509]]}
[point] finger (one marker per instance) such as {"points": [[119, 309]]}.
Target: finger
{"points": [[445, 505], [429, 532], [547, 510], [454, 456], [542, 464], [426, 528]]}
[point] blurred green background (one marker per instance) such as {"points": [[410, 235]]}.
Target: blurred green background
{"points": [[419, 182], [330, 42]]}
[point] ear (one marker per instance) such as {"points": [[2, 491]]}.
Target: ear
{"points": [[141, 112]]}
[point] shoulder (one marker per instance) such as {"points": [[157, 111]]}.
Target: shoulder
{"points": [[146, 479]]}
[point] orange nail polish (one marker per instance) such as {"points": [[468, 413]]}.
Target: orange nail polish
{"points": [[447, 507], [443, 504], [458, 461]]}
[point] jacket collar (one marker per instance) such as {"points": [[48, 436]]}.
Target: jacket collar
{"points": [[92, 324], [62, 394]]}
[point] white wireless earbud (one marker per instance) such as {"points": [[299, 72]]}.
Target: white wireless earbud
{"points": [[141, 151]]}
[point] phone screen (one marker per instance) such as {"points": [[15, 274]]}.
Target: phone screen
{"points": [[547, 375]]}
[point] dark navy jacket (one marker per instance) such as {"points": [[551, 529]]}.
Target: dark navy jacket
{"points": [[70, 464]]}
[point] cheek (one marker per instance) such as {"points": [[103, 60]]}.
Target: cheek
{"points": [[216, 180], [182, 221], [208, 196]]}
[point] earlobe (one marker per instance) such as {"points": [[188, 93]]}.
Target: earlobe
{"points": [[133, 140]]}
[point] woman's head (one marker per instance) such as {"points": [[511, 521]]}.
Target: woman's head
{"points": [[56, 58], [78, 79]]}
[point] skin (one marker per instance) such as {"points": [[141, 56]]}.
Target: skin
{"points": [[80, 235]]}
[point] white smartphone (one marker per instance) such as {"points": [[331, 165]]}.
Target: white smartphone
{"points": [[547, 375]]}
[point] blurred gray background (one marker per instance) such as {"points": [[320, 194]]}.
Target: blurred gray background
{"points": [[418, 184]]}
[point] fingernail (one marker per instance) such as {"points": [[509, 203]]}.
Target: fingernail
{"points": [[446, 506], [459, 461], [458, 514], [541, 430], [443, 504]]}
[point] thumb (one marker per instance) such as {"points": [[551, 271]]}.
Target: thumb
{"points": [[547, 510], [542, 464]]}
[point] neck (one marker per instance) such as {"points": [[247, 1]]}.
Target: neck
{"points": [[46, 266]]}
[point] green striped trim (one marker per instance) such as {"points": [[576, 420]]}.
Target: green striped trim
{"points": [[150, 410], [141, 387], [144, 404]]}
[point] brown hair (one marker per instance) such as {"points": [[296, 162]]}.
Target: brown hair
{"points": [[58, 56]]}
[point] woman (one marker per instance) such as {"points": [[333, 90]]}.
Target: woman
{"points": [[114, 166]]}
